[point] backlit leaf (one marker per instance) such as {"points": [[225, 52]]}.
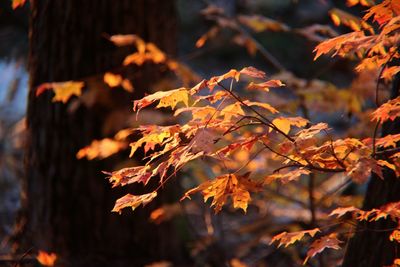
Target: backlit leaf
{"points": [[167, 99], [101, 149], [17, 3], [319, 245], [133, 201], [265, 85], [387, 111], [63, 90], [339, 212], [130, 175], [287, 239], [230, 185], [46, 259]]}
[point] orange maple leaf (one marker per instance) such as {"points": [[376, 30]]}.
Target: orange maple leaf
{"points": [[101, 149], [319, 245], [46, 259], [17, 3], [287, 239], [235, 186], [133, 201]]}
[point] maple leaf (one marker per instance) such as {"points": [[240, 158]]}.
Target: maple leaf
{"points": [[115, 80], [138, 174], [203, 141], [287, 239], [133, 201], [383, 12], [153, 137], [262, 105], [253, 72], [213, 81], [339, 212], [286, 176], [167, 98], [338, 44], [265, 85], [389, 140], [356, 24], [389, 72], [174, 98], [63, 90], [235, 186], [17, 3], [232, 111], [387, 111], [395, 236], [101, 149], [285, 123], [46, 259], [360, 170], [319, 245]]}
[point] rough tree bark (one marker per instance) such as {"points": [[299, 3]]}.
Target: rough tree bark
{"points": [[68, 201], [370, 246]]}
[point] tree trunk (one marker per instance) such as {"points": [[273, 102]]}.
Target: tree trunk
{"points": [[370, 246], [68, 201]]}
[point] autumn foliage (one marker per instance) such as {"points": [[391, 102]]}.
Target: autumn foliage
{"points": [[253, 140]]}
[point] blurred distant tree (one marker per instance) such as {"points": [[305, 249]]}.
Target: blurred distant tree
{"points": [[67, 204]]}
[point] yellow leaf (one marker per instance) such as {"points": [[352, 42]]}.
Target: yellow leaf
{"points": [[173, 99], [231, 111], [262, 105], [335, 18], [115, 80], [100, 149], [112, 80], [235, 186], [166, 98], [282, 125], [63, 90]]}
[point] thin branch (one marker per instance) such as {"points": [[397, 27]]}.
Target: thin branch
{"points": [[266, 120]]}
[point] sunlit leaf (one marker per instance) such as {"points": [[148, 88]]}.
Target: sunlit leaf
{"points": [[101, 149], [319, 245], [132, 201], [230, 185], [17, 3], [287, 239], [46, 259], [63, 90]]}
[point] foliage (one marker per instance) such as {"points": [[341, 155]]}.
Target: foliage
{"points": [[237, 124]]}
